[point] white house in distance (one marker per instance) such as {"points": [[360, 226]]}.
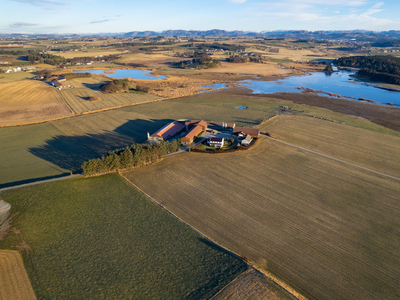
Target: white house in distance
{"points": [[216, 142]]}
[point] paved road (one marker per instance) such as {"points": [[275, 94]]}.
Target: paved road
{"points": [[331, 157], [39, 182]]}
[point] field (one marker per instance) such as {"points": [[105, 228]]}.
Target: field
{"points": [[47, 150], [14, 281], [84, 88], [365, 148], [327, 229], [100, 238], [37, 152], [89, 52], [15, 76], [253, 285], [29, 101]]}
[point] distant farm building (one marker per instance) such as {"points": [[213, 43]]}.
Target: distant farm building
{"points": [[168, 131], [216, 142], [244, 131]]}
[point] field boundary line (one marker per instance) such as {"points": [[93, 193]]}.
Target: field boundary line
{"points": [[333, 158], [39, 182], [270, 276]]}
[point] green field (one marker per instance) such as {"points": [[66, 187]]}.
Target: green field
{"points": [[36, 152], [327, 229], [83, 88], [100, 238], [55, 148], [14, 76]]}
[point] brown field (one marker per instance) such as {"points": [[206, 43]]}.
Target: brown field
{"points": [[327, 229], [83, 88], [253, 285], [95, 52], [30, 101], [14, 281], [383, 115], [174, 87], [369, 149], [266, 69]]}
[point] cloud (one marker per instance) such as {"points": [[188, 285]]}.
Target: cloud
{"points": [[101, 21], [22, 24], [50, 4], [374, 9]]}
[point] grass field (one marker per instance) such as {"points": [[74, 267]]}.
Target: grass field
{"points": [[100, 238], [88, 52], [90, 87], [37, 152], [15, 76], [14, 281], [43, 150], [327, 229], [29, 101], [369, 149]]}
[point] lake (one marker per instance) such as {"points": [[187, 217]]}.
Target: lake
{"points": [[336, 83], [125, 73]]}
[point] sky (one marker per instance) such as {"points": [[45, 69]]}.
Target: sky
{"points": [[115, 16]]}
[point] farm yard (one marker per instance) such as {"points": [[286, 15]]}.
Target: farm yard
{"points": [[14, 281], [325, 228], [30, 101], [100, 238]]}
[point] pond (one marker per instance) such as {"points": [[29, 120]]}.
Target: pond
{"points": [[340, 83], [242, 107], [125, 73]]}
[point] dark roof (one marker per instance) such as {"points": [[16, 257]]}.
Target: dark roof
{"points": [[215, 139]]}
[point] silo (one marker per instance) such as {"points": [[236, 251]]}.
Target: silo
{"points": [[5, 209]]}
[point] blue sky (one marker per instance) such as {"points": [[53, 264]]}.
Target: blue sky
{"points": [[92, 16]]}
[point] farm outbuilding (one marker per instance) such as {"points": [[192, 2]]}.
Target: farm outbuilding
{"points": [[5, 209]]}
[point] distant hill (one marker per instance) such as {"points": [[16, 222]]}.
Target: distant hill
{"points": [[390, 38]]}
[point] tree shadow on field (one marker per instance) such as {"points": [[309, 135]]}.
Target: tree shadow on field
{"points": [[70, 152]]}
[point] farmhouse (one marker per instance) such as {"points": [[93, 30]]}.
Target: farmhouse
{"points": [[168, 131], [253, 132], [247, 140], [216, 142]]}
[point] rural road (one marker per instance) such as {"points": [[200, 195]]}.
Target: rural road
{"points": [[39, 182], [331, 157]]}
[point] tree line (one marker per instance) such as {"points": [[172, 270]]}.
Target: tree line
{"points": [[377, 68], [136, 155]]}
